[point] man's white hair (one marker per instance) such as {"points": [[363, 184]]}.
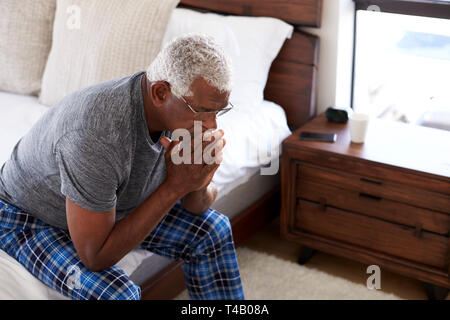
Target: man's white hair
{"points": [[190, 56]]}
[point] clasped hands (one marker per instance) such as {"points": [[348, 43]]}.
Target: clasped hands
{"points": [[192, 159]]}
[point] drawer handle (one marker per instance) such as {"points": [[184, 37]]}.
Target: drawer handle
{"points": [[322, 204], [418, 230], [371, 181], [368, 196]]}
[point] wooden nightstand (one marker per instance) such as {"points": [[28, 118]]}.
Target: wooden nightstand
{"points": [[384, 202]]}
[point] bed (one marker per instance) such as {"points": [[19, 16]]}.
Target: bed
{"points": [[250, 199]]}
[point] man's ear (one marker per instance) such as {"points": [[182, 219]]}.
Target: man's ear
{"points": [[159, 93]]}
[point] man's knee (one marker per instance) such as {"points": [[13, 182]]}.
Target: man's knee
{"points": [[217, 228], [129, 291], [121, 288], [108, 284]]}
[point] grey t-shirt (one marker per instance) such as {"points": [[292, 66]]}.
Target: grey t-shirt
{"points": [[93, 147]]}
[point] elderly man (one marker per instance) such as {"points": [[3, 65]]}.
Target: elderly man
{"points": [[94, 178]]}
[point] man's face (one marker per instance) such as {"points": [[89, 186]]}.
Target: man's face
{"points": [[205, 98]]}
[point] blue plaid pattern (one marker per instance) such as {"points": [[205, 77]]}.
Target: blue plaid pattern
{"points": [[206, 245], [204, 242]]}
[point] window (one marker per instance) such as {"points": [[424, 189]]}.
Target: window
{"points": [[402, 62]]}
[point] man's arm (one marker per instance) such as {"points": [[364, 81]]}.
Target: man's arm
{"points": [[198, 202], [101, 242]]}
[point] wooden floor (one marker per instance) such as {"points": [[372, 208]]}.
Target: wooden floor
{"points": [[268, 240]]}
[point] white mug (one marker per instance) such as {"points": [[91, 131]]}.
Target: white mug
{"points": [[358, 126]]}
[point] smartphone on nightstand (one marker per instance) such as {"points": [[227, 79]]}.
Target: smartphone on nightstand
{"points": [[318, 136]]}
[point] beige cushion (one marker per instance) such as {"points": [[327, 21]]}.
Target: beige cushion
{"points": [[25, 40], [95, 41]]}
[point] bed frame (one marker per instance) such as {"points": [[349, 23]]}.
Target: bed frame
{"points": [[291, 84]]}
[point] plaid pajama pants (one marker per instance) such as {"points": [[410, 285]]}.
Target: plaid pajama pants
{"points": [[205, 243]]}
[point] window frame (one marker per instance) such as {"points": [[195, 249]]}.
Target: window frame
{"points": [[425, 8]]}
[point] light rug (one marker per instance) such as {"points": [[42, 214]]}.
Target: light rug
{"points": [[266, 277]]}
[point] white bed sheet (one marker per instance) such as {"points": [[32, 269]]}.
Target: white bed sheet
{"points": [[254, 137], [18, 113]]}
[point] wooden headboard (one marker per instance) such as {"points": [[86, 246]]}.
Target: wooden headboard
{"points": [[292, 77]]}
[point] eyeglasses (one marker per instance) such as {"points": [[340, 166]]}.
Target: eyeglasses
{"points": [[218, 113]]}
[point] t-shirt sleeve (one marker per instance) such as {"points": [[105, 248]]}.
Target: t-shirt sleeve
{"points": [[90, 170]]}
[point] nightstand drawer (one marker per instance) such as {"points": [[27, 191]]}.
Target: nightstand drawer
{"points": [[366, 169], [377, 207], [374, 187], [371, 233]]}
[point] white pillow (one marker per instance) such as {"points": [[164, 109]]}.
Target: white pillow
{"points": [[25, 41], [252, 43], [183, 21], [96, 41]]}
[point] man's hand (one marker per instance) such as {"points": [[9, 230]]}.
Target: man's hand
{"points": [[192, 178]]}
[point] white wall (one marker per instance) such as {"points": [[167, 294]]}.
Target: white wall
{"points": [[335, 57]]}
